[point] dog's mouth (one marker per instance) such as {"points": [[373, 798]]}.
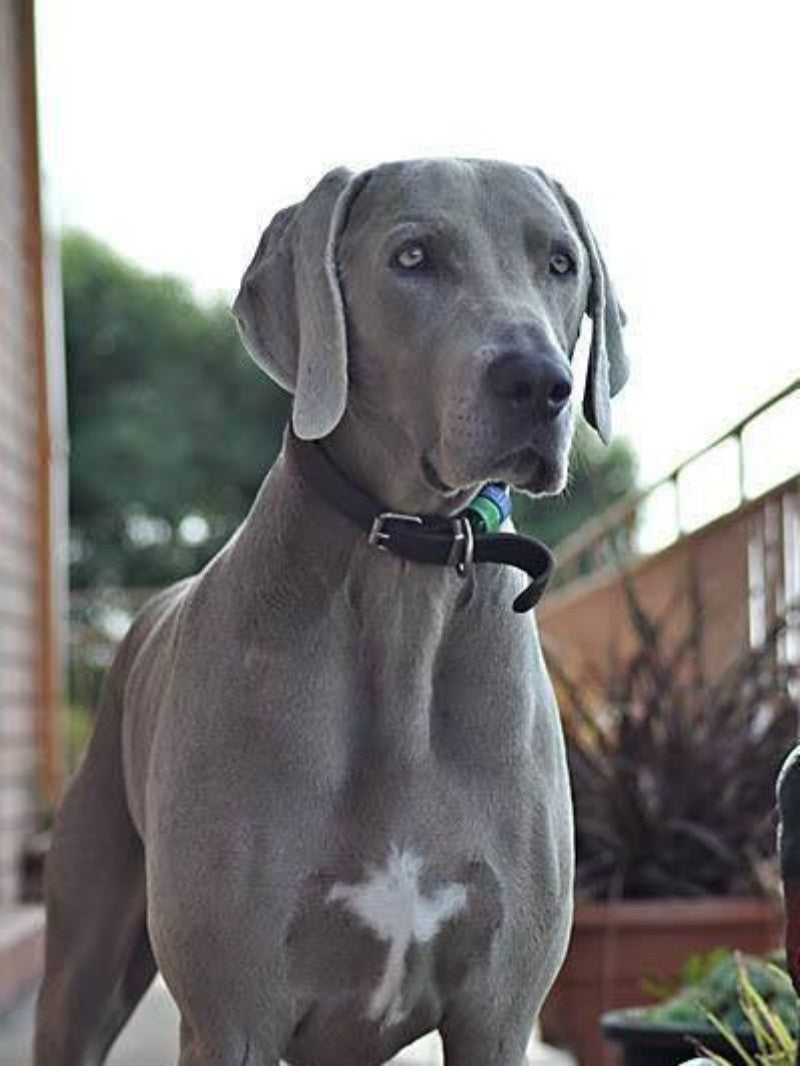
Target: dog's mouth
{"points": [[436, 482], [431, 475], [528, 468], [532, 470]]}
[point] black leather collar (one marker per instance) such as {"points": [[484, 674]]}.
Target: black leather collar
{"points": [[432, 539]]}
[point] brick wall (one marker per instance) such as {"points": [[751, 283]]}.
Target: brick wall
{"points": [[20, 468]]}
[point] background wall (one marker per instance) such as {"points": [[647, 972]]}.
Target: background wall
{"points": [[30, 524]]}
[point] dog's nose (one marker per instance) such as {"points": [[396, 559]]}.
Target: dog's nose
{"points": [[534, 382]]}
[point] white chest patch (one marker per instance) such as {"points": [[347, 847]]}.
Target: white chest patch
{"points": [[389, 903]]}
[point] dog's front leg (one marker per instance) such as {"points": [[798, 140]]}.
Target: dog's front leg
{"points": [[217, 943], [482, 1033], [222, 1033], [232, 1013], [216, 1049]]}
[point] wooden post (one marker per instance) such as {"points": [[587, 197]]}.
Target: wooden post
{"points": [[48, 711]]}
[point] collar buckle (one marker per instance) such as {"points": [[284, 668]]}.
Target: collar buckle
{"points": [[378, 536]]}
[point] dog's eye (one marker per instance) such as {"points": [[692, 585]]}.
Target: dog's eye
{"points": [[410, 257], [561, 263]]}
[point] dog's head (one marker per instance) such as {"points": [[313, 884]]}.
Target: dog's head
{"points": [[436, 304]]}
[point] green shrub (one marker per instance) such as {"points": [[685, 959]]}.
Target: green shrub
{"points": [[767, 1006], [725, 993]]}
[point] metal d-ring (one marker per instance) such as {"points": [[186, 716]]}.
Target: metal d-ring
{"points": [[463, 544]]}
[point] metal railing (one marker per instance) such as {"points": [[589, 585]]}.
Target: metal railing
{"points": [[617, 533]]}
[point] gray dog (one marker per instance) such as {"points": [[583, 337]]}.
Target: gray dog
{"points": [[327, 794]]}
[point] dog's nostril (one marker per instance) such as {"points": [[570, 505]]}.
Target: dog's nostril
{"points": [[560, 393]]}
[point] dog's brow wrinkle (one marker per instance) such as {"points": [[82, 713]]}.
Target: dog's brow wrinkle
{"points": [[431, 225]]}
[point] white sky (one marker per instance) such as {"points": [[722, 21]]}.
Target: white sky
{"points": [[175, 128]]}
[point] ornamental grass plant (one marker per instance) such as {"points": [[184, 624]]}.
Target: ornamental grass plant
{"points": [[767, 1005]]}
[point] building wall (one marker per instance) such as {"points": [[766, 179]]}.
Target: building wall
{"points": [[26, 629]]}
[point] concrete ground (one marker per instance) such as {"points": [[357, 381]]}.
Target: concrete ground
{"points": [[151, 1039]]}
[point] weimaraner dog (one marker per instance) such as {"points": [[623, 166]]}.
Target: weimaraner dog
{"points": [[327, 794]]}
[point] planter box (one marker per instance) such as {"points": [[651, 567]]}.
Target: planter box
{"points": [[617, 946]]}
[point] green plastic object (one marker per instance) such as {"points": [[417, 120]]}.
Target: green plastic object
{"points": [[485, 516]]}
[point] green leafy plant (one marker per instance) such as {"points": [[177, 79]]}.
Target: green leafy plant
{"points": [[742, 1003], [169, 421], [771, 1019], [718, 998], [694, 970]]}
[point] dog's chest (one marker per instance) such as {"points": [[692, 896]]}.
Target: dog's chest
{"points": [[377, 947], [411, 671], [408, 761]]}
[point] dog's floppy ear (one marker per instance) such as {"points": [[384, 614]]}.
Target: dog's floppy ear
{"points": [[290, 311], [608, 363]]}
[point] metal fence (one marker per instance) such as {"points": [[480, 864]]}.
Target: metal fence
{"points": [[742, 563]]}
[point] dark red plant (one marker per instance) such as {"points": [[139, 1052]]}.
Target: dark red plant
{"points": [[674, 774]]}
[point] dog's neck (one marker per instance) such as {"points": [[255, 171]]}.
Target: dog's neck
{"points": [[291, 525], [299, 522], [316, 567], [298, 556], [389, 467]]}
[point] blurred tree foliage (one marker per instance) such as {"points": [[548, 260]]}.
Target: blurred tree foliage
{"points": [[172, 428], [168, 418]]}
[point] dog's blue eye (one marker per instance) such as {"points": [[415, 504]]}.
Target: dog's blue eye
{"points": [[561, 263], [411, 256]]}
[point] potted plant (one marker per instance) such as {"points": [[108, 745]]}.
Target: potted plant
{"points": [[673, 781], [742, 1011]]}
